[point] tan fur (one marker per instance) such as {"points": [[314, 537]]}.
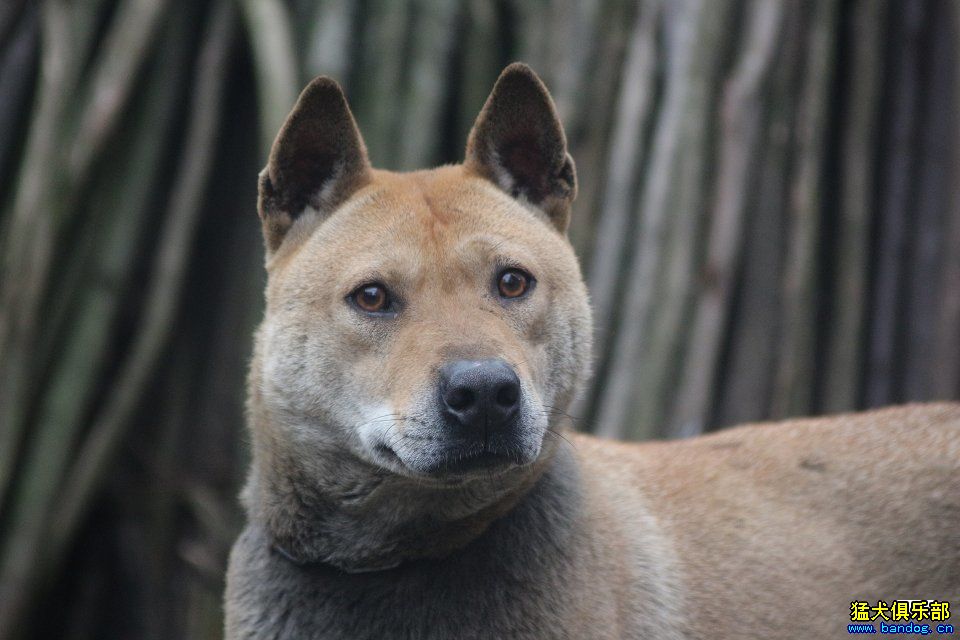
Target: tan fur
{"points": [[756, 532], [772, 520]]}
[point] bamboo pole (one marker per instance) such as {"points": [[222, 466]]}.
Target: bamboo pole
{"points": [[842, 379], [17, 56], [119, 59], [741, 116], [329, 46], [276, 65], [590, 130], [73, 379], [793, 392], [744, 388], [25, 562], [169, 267], [927, 249], [945, 371], [381, 73], [423, 96], [29, 235], [626, 161], [894, 205], [693, 180]]}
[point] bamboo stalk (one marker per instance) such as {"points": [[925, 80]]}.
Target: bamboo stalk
{"points": [[532, 35], [894, 205], [927, 248], [11, 12], [589, 129], [479, 62], [572, 28], [17, 56], [741, 116], [845, 341], [161, 495], [479, 65], [123, 52], [626, 160], [169, 267], [29, 235], [795, 381], [276, 66], [86, 18], [43, 201], [380, 78], [748, 364], [67, 396], [25, 561], [693, 180], [945, 370], [423, 97], [615, 404], [330, 43]]}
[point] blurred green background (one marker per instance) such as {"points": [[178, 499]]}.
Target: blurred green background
{"points": [[768, 219]]}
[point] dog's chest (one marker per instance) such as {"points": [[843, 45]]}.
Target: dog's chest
{"points": [[481, 594], [457, 600]]}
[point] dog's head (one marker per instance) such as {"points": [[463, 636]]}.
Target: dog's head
{"points": [[431, 323]]}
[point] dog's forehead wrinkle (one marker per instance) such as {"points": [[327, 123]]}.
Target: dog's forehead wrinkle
{"points": [[440, 212], [418, 225]]}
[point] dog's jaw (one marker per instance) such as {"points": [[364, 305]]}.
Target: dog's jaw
{"points": [[360, 517]]}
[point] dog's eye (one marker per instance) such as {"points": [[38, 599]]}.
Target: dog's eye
{"points": [[513, 283], [372, 298]]}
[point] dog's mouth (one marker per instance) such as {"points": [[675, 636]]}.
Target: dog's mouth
{"points": [[389, 455], [481, 461], [456, 463]]}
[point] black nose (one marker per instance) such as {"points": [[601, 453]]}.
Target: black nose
{"points": [[483, 394]]}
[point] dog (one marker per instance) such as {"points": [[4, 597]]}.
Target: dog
{"points": [[413, 471]]}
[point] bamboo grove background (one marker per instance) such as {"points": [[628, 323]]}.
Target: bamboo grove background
{"points": [[769, 221]]}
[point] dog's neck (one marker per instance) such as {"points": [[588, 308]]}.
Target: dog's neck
{"points": [[356, 517]]}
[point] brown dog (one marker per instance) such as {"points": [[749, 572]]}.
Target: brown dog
{"points": [[425, 332]]}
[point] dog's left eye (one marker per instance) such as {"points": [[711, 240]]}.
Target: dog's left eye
{"points": [[372, 298], [513, 283]]}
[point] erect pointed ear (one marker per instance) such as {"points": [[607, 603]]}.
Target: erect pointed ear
{"points": [[318, 160], [518, 143]]}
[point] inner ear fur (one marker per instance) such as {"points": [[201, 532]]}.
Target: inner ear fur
{"points": [[317, 160], [518, 144]]}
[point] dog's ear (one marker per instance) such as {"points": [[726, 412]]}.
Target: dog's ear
{"points": [[518, 143], [317, 160]]}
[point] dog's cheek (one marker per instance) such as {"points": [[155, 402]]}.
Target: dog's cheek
{"points": [[293, 382], [303, 366], [547, 341], [569, 350]]}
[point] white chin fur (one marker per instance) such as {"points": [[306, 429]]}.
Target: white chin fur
{"points": [[376, 430]]}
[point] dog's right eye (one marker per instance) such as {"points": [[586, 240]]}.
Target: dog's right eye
{"points": [[372, 298]]}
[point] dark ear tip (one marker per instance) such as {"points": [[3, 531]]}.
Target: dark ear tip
{"points": [[321, 91], [519, 73], [519, 84], [518, 68], [322, 84]]}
